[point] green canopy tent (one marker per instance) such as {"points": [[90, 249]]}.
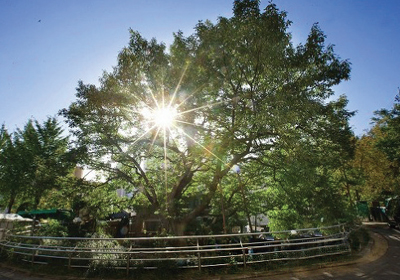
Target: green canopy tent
{"points": [[58, 214]]}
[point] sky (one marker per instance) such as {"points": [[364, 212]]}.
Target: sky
{"points": [[47, 46]]}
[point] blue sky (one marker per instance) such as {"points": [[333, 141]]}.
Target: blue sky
{"points": [[47, 46]]}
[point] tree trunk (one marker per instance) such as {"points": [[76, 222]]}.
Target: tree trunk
{"points": [[245, 203], [10, 203], [178, 227], [36, 204]]}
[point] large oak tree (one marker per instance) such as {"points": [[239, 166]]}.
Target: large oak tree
{"points": [[169, 126]]}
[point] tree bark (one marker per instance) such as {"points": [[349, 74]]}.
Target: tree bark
{"points": [[10, 203]]}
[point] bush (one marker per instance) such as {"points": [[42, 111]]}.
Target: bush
{"points": [[103, 259], [358, 238], [52, 228]]}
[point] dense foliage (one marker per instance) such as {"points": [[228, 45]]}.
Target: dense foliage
{"points": [[243, 98], [375, 168], [33, 162]]}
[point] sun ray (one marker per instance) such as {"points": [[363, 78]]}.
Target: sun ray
{"points": [[143, 103], [189, 96], [154, 139], [172, 138], [178, 85], [193, 124], [181, 130], [153, 98], [202, 107], [165, 170], [163, 98], [144, 134]]}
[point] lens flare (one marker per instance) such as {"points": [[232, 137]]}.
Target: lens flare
{"points": [[162, 118]]}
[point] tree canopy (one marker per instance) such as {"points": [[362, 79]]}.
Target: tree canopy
{"points": [[169, 125], [33, 161], [381, 154], [373, 174]]}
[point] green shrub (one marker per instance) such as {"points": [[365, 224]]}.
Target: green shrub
{"points": [[103, 259], [52, 228], [358, 238]]}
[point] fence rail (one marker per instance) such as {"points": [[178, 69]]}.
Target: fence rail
{"points": [[200, 251]]}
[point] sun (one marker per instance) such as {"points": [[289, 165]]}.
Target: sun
{"points": [[161, 117], [164, 117]]}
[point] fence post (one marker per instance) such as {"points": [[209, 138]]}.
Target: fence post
{"points": [[70, 258], [33, 255], [198, 254], [13, 250], [128, 261], [244, 252]]}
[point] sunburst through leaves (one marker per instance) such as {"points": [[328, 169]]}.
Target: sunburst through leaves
{"points": [[165, 118]]}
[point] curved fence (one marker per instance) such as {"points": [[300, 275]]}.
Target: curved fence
{"points": [[199, 251]]}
